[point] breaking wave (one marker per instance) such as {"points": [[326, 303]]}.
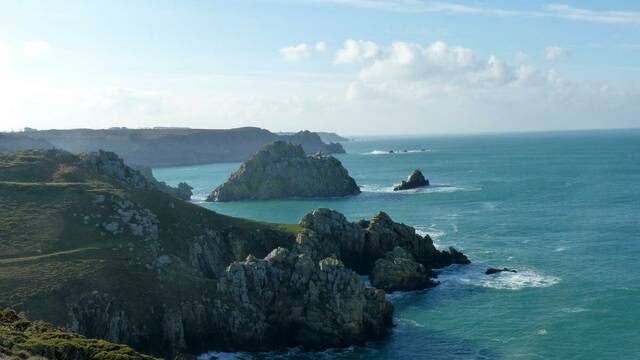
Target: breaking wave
{"points": [[473, 275]]}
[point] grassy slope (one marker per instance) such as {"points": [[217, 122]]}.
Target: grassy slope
{"points": [[49, 253]]}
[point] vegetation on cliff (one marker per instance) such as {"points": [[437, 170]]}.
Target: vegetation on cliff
{"points": [[21, 339], [283, 170]]}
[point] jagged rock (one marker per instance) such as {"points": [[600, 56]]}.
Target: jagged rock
{"points": [[360, 244], [491, 271], [398, 270], [109, 164], [283, 170], [288, 299], [415, 180]]}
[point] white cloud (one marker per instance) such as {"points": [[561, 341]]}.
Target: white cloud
{"points": [[355, 51], [554, 53], [35, 48], [302, 51]]}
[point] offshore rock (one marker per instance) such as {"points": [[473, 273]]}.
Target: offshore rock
{"points": [[415, 180], [491, 271], [283, 170]]}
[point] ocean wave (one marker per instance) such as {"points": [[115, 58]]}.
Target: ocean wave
{"points": [[434, 233], [395, 152], [474, 275], [573, 310]]}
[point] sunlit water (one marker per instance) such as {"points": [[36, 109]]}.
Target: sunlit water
{"points": [[561, 208]]}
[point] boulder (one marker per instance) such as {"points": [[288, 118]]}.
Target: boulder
{"points": [[282, 170], [398, 270], [415, 180]]}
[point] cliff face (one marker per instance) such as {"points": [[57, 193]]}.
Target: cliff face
{"points": [[283, 170], [177, 146], [91, 245]]}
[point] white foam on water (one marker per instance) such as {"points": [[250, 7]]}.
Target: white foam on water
{"points": [[542, 332], [473, 275], [560, 248], [396, 152], [433, 232], [434, 188]]}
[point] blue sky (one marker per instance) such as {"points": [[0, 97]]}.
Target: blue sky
{"points": [[352, 66]]}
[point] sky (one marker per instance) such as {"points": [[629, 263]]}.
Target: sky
{"points": [[356, 67]]}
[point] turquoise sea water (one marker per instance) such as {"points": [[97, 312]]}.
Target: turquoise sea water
{"points": [[562, 208]]}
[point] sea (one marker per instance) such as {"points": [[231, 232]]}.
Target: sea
{"points": [[562, 208]]}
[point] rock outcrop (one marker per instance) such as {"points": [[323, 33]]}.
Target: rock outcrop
{"points": [[282, 170], [415, 180], [362, 244], [183, 191], [398, 270]]}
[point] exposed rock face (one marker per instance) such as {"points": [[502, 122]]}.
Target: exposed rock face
{"points": [[415, 180], [361, 244], [183, 191], [288, 299], [282, 170], [109, 164], [398, 270]]}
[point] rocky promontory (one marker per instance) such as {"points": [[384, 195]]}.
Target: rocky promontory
{"points": [[414, 180], [282, 170], [114, 258]]}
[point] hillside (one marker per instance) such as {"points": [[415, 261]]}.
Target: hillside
{"points": [[281, 170], [10, 142], [178, 146]]}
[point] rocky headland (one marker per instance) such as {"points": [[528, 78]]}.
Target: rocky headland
{"points": [[93, 246], [414, 180], [282, 170]]}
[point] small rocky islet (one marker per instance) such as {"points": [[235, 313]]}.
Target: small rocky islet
{"points": [[415, 180], [282, 170]]}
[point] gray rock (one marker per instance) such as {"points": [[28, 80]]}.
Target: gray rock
{"points": [[414, 180]]}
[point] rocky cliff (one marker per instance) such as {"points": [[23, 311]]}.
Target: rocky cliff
{"points": [[283, 170]]}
